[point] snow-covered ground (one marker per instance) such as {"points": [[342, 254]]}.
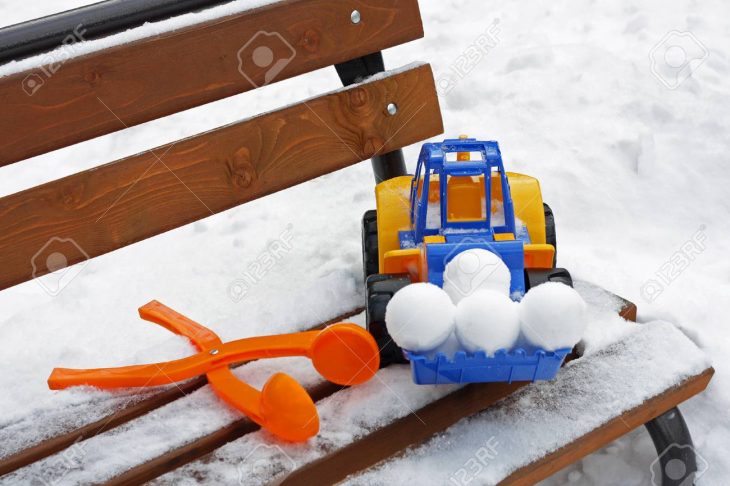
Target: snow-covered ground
{"points": [[631, 154]]}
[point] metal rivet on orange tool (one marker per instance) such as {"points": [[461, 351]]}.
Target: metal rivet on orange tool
{"points": [[345, 354]]}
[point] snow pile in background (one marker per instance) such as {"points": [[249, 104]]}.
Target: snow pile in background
{"points": [[636, 174]]}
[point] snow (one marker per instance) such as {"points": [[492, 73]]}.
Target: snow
{"points": [[475, 269], [420, 317], [448, 347], [344, 417], [186, 419], [544, 416], [487, 321], [584, 392], [552, 316], [636, 173]]}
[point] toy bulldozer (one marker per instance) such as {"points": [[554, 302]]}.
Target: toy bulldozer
{"points": [[459, 198]]}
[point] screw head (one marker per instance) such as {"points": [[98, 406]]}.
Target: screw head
{"points": [[355, 17], [213, 352], [392, 109]]}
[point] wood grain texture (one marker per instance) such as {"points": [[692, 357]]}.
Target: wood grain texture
{"points": [[164, 74], [126, 414], [205, 445], [368, 451], [610, 431], [117, 204], [409, 431], [413, 429]]}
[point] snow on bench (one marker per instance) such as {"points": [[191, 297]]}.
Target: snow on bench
{"points": [[545, 416], [536, 420]]}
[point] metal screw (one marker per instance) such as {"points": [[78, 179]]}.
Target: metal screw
{"points": [[392, 109], [213, 352], [355, 16]]}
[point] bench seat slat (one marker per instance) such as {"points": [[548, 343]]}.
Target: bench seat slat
{"points": [[538, 428]]}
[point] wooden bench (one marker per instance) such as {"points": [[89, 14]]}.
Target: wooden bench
{"points": [[128, 200]]}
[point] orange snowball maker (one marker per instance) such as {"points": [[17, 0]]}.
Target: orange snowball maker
{"points": [[342, 353]]}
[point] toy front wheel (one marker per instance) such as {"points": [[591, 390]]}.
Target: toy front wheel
{"points": [[550, 237], [370, 255], [537, 276], [380, 289]]}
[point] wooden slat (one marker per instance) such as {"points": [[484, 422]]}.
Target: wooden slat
{"points": [[628, 310], [205, 445], [108, 207], [408, 431], [57, 444], [420, 426], [155, 77], [360, 455], [610, 431], [126, 414]]}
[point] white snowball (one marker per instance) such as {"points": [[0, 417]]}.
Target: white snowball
{"points": [[475, 269], [553, 316], [488, 321], [448, 348], [420, 317]]}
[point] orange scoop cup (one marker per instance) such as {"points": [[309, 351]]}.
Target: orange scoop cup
{"points": [[345, 354]]}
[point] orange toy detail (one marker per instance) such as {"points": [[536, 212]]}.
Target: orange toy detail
{"points": [[345, 354]]}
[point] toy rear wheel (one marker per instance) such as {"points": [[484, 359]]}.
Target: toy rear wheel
{"points": [[380, 289], [550, 237], [370, 243], [537, 276]]}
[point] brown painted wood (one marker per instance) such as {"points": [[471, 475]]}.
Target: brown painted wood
{"points": [[117, 204], [161, 75], [56, 444], [366, 452], [126, 414], [628, 311], [412, 430], [416, 428], [607, 433], [408, 431], [205, 445]]}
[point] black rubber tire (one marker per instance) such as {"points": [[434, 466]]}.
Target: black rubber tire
{"points": [[380, 289], [677, 464], [537, 276], [369, 243], [550, 237]]}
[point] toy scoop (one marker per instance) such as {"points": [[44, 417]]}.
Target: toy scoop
{"points": [[345, 354]]}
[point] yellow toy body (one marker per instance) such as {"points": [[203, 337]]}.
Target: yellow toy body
{"points": [[394, 208]]}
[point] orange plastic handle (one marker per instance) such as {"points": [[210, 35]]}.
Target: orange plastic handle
{"points": [[202, 337], [342, 353], [294, 419], [167, 372]]}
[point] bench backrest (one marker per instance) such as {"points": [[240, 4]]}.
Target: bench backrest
{"points": [[108, 207]]}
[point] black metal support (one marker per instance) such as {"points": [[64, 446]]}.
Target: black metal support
{"points": [[385, 166], [677, 464], [90, 22]]}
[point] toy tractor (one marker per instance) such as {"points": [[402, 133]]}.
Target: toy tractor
{"points": [[459, 198]]}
